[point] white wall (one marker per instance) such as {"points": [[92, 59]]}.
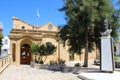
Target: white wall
{"points": [[6, 46], [118, 49]]}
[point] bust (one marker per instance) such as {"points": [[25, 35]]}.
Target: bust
{"points": [[105, 28], [106, 33], [104, 25]]}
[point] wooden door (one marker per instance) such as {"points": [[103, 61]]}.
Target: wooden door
{"points": [[25, 54]]}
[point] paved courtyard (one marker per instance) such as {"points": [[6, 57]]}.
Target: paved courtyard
{"points": [[25, 72]]}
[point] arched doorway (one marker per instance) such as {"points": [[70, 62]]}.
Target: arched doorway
{"points": [[25, 54]]}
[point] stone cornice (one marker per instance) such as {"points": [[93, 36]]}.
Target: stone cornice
{"points": [[24, 36], [31, 31]]}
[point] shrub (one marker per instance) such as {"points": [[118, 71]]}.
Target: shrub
{"points": [[77, 64], [61, 62], [51, 62], [41, 62]]}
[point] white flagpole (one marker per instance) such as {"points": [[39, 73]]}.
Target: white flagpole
{"points": [[38, 16]]}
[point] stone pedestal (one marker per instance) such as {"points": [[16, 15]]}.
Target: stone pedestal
{"points": [[107, 63]]}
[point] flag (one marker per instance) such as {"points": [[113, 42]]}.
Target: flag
{"points": [[38, 15]]}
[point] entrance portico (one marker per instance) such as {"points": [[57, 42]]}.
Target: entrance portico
{"points": [[20, 49]]}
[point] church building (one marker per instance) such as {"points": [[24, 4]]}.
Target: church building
{"points": [[23, 34]]}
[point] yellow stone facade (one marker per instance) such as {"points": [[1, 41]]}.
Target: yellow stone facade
{"points": [[23, 33]]}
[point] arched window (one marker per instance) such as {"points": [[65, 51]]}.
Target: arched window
{"points": [[13, 51], [48, 44]]}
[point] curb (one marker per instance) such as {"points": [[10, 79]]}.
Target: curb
{"points": [[84, 78]]}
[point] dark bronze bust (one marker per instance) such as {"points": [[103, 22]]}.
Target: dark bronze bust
{"points": [[105, 31], [105, 25]]}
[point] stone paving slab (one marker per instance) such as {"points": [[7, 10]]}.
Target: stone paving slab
{"points": [[25, 72], [98, 75]]}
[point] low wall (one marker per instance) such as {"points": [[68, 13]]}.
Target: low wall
{"points": [[4, 62]]}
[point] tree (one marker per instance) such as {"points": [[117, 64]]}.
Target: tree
{"points": [[34, 49], [50, 48], [1, 37], [84, 21], [41, 51], [117, 4], [45, 50]]}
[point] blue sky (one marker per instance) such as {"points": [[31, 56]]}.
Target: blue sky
{"points": [[26, 10]]}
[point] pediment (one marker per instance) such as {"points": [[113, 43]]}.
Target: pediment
{"points": [[20, 24], [49, 27]]}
